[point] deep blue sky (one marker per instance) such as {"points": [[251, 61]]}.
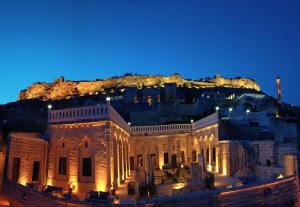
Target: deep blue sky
{"points": [[85, 40]]}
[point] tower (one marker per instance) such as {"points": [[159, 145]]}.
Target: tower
{"points": [[278, 83]]}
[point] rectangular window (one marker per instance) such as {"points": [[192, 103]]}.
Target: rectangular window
{"points": [[140, 160], [62, 166], [214, 154], [36, 171], [16, 169], [131, 160], [87, 166], [182, 156], [194, 156], [166, 158]]}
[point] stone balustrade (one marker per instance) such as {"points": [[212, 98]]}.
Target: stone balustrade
{"points": [[209, 120], [160, 129], [89, 113]]}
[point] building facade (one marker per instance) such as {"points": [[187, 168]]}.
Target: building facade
{"points": [[93, 148]]}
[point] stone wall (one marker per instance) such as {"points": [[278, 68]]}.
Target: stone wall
{"points": [[28, 147], [19, 196], [76, 141], [95, 140]]}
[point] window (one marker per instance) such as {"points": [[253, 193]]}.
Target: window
{"points": [[16, 169], [194, 156], [182, 156], [86, 144], [36, 171], [87, 166], [166, 158], [62, 168], [214, 154], [131, 160], [140, 160]]}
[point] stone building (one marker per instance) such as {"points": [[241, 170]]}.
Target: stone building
{"points": [[93, 148]]}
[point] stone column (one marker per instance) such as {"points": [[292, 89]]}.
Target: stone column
{"points": [[108, 140], [123, 161], [217, 159], [120, 161], [210, 155], [127, 159], [115, 164]]}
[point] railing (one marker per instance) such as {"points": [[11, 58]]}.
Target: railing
{"points": [[209, 120], [118, 119], [78, 114], [89, 113], [160, 129]]}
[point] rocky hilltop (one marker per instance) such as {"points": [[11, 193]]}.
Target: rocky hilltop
{"points": [[61, 88]]}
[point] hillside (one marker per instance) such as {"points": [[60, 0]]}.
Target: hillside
{"points": [[61, 88]]}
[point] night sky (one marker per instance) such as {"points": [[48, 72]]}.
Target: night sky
{"points": [[85, 40]]}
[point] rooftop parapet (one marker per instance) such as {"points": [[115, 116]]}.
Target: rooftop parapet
{"points": [[206, 121], [87, 114], [160, 129]]}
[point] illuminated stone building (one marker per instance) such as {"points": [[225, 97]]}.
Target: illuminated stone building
{"points": [[93, 148]]}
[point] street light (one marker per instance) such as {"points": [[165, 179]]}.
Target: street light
{"points": [[248, 111], [129, 123], [49, 106], [217, 108], [108, 99], [230, 109], [192, 120]]}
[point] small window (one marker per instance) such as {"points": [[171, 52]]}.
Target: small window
{"points": [[140, 160], [62, 170], [194, 156], [86, 144], [63, 145], [182, 156], [166, 158], [131, 160], [87, 166], [36, 171]]}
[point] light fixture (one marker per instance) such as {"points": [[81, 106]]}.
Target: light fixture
{"points": [[129, 123], [248, 111], [49, 106], [192, 120], [107, 99], [230, 109], [217, 108]]}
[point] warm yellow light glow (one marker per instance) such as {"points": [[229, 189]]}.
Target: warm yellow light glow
{"points": [[209, 168], [279, 176], [179, 186], [49, 182], [23, 180]]}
